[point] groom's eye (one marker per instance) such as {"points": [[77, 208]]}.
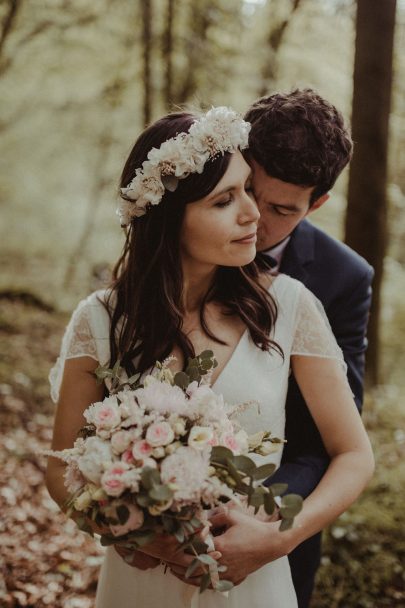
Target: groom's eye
{"points": [[279, 210]]}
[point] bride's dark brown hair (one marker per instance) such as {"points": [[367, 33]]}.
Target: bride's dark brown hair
{"points": [[145, 302]]}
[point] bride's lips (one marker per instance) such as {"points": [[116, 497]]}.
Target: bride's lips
{"points": [[248, 239]]}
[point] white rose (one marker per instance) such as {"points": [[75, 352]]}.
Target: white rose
{"points": [[83, 501], [200, 436], [159, 434]]}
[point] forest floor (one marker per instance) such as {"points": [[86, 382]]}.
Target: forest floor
{"points": [[46, 561]]}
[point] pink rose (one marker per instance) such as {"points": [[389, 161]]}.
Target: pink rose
{"points": [[120, 441], [141, 449], [128, 457], [105, 415], [229, 441], [113, 480], [159, 434]]}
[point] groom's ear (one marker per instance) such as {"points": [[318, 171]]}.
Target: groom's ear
{"points": [[319, 202]]}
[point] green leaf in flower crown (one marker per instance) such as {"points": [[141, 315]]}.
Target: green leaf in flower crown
{"points": [[150, 477], [264, 471], [205, 581], [277, 489], [122, 514], [220, 454], [161, 493], [181, 380], [291, 505], [223, 585], [244, 464], [133, 379]]}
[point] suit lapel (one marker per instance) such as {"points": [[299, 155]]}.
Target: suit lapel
{"points": [[299, 253]]}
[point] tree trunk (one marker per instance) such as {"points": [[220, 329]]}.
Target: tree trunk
{"points": [[168, 54], [147, 52], [274, 40], [365, 225]]}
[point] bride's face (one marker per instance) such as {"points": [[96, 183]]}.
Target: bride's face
{"points": [[220, 229]]}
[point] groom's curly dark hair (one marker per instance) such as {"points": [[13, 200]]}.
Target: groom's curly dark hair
{"points": [[299, 138]]}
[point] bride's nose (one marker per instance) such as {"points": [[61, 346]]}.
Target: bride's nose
{"points": [[249, 211]]}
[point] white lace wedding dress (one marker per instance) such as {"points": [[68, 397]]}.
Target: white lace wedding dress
{"points": [[250, 374]]}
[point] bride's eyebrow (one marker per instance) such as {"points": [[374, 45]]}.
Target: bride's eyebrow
{"points": [[228, 188]]}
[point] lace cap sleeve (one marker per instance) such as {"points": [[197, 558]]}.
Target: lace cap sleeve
{"points": [[313, 335], [86, 335]]}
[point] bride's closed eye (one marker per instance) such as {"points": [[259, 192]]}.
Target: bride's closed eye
{"points": [[224, 203]]}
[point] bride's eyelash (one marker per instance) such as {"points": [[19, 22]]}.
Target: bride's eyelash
{"points": [[225, 203]]}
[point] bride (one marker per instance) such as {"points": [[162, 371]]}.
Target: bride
{"points": [[186, 282]]}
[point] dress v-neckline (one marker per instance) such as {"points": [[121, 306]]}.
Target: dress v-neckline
{"points": [[237, 347]]}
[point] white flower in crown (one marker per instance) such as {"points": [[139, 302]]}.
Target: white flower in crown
{"points": [[218, 131]]}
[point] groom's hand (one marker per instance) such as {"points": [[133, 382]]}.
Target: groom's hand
{"points": [[246, 544]]}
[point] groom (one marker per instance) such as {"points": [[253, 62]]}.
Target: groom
{"points": [[298, 147]]}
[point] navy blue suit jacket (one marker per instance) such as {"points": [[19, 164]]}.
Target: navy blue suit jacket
{"points": [[341, 280]]}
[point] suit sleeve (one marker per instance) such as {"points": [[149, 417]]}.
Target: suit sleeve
{"points": [[305, 459]]}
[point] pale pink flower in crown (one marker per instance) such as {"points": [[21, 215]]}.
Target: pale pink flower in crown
{"points": [[113, 480], [96, 457], [172, 157], [186, 469], [162, 397], [159, 434], [134, 521]]}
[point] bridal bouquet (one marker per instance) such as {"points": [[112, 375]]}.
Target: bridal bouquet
{"points": [[154, 456]]}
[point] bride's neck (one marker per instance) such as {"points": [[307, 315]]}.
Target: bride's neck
{"points": [[197, 280]]}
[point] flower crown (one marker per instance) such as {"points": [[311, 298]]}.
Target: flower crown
{"points": [[218, 131]]}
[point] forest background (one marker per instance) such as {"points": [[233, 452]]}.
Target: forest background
{"points": [[78, 82]]}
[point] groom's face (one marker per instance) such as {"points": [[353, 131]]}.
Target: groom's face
{"points": [[282, 206]]}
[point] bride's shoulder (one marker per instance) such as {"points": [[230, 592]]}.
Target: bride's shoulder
{"points": [[280, 283]]}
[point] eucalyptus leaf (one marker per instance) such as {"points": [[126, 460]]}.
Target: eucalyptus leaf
{"points": [[269, 503], [150, 477], [220, 454], [143, 500], [205, 581], [266, 470], [286, 524], [223, 585], [199, 546], [207, 559], [244, 464], [180, 535], [206, 354], [192, 567], [291, 505], [161, 493], [278, 489], [181, 380]]}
